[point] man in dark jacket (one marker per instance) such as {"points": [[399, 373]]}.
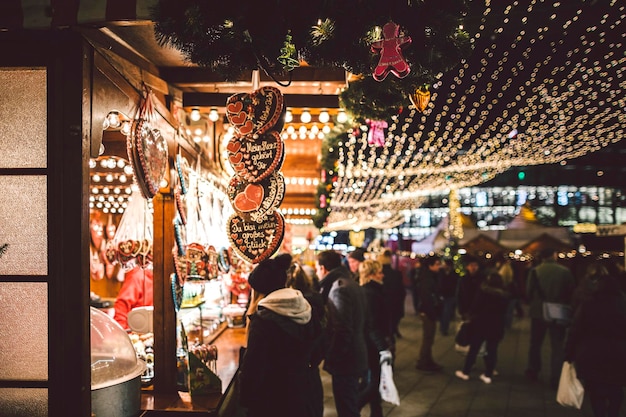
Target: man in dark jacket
{"points": [[448, 283], [346, 355], [429, 311], [552, 282], [394, 290], [469, 285]]}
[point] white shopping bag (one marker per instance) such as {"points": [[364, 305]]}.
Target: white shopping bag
{"points": [[387, 387], [571, 391]]}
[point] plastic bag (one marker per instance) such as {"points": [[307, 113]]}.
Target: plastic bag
{"points": [[132, 244], [571, 391], [387, 388]]}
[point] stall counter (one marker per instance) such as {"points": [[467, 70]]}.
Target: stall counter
{"points": [[228, 343]]}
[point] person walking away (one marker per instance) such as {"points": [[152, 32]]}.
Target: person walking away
{"points": [[486, 318], [448, 282], [394, 291], [596, 342], [429, 312], [274, 373], [504, 268], [555, 283], [469, 284], [354, 259], [414, 279], [298, 279], [346, 351], [379, 335]]}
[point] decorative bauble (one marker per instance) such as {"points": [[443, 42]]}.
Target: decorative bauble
{"points": [[420, 98]]}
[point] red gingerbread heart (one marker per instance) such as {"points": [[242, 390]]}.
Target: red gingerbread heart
{"points": [[233, 146], [235, 107], [263, 108], [235, 158], [256, 159], [250, 199], [237, 119], [255, 193], [256, 241], [254, 201]]}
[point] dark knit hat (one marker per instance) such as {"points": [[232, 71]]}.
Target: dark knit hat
{"points": [[358, 255], [270, 274]]}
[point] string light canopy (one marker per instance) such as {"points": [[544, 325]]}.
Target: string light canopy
{"points": [[545, 84]]}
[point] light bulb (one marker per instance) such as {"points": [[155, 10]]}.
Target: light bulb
{"points": [[342, 117], [305, 117], [214, 116], [125, 129], [114, 119], [288, 116], [195, 114], [324, 116]]}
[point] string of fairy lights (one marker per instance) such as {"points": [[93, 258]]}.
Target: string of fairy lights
{"points": [[545, 85]]}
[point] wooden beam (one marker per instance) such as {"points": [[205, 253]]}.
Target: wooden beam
{"points": [[198, 75], [329, 101]]}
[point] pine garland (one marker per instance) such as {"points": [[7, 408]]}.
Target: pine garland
{"points": [[231, 38], [330, 156]]}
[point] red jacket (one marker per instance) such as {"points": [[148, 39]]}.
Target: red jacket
{"points": [[137, 291]]}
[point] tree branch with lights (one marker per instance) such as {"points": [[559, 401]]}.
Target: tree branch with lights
{"points": [[232, 38]]}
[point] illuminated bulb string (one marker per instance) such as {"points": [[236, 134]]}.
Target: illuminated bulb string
{"points": [[554, 74]]}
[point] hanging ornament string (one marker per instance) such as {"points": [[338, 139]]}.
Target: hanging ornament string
{"points": [[376, 134]]}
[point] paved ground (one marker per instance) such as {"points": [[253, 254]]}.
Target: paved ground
{"points": [[443, 395]]}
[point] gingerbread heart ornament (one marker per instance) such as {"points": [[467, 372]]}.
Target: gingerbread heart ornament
{"points": [[256, 159], [254, 241], [256, 112], [254, 201]]}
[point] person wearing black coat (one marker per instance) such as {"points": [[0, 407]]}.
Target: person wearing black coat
{"points": [[469, 284], [395, 293], [596, 342], [298, 279], [346, 350], [379, 334], [486, 319], [274, 376], [429, 311]]}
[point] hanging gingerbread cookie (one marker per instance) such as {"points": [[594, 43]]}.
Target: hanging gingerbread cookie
{"points": [[391, 59]]}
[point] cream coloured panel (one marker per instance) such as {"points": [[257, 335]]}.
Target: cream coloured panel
{"points": [[23, 331], [23, 118], [24, 402], [24, 225]]}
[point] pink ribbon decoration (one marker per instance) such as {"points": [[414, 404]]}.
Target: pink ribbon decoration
{"points": [[376, 134]]}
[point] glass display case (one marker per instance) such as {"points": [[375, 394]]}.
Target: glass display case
{"points": [[115, 369]]}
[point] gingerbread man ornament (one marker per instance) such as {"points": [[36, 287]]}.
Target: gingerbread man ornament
{"points": [[391, 59]]}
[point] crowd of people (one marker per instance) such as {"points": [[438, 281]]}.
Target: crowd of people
{"points": [[342, 318]]}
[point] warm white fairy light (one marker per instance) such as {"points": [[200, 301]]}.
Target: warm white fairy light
{"points": [[549, 88]]}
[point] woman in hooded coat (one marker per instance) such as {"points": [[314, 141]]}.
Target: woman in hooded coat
{"points": [[274, 376]]}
